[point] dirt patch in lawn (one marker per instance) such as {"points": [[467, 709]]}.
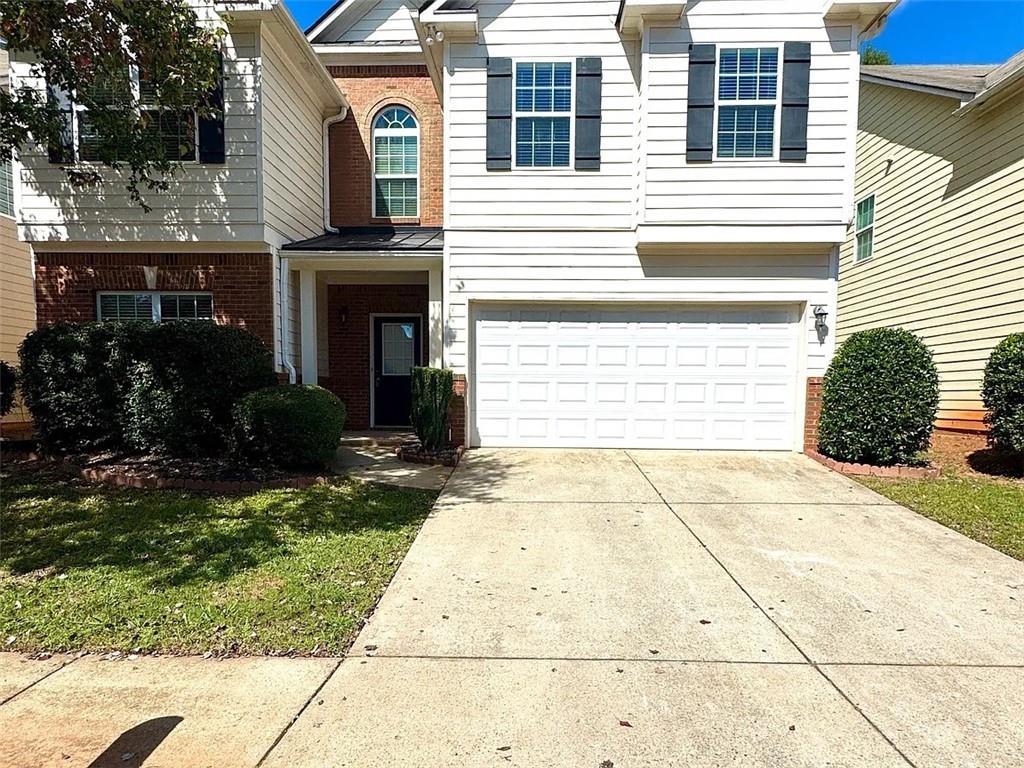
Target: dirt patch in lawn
{"points": [[970, 455]]}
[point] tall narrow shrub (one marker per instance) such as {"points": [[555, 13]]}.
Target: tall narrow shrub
{"points": [[8, 386], [879, 399], [431, 396], [1003, 393]]}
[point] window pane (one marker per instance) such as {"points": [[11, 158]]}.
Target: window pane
{"points": [[746, 131], [757, 70], [126, 306], [542, 142], [544, 87], [6, 189], [175, 132], [396, 198], [866, 212], [398, 342], [865, 242], [186, 307]]}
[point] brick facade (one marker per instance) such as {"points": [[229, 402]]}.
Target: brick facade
{"points": [[241, 284], [813, 413], [457, 410], [348, 342], [369, 89]]}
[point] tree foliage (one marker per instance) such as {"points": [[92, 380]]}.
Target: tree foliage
{"points": [[872, 55], [92, 51]]}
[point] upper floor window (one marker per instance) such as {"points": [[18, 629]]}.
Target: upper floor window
{"points": [[156, 307], [865, 228], [6, 190], [396, 163], [748, 90], [542, 114]]}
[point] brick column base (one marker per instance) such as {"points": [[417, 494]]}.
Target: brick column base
{"points": [[812, 414], [457, 410]]}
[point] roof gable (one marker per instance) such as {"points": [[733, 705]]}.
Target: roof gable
{"points": [[365, 21]]}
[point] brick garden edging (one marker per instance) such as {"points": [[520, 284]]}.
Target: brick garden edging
{"points": [[121, 479], [930, 472], [413, 454]]}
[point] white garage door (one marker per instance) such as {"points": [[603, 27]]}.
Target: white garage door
{"points": [[722, 378]]}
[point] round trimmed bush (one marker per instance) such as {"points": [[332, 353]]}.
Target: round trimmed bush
{"points": [[1003, 393], [290, 425], [879, 399], [8, 386], [182, 384]]}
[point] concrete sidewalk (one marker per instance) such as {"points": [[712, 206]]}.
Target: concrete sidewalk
{"points": [[603, 608]]}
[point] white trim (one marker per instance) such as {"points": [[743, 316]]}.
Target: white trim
{"points": [[570, 115], [758, 102], [308, 326], [373, 349], [858, 231], [415, 132]]}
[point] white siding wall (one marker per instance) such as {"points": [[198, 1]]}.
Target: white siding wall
{"points": [[751, 191], [384, 21], [293, 166], [205, 202]]}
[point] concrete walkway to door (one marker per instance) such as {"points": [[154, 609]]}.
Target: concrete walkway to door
{"points": [[613, 608], [601, 609]]}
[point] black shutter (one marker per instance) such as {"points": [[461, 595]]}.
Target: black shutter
{"points": [[499, 114], [796, 72], [588, 114], [211, 128], [700, 103], [61, 151]]}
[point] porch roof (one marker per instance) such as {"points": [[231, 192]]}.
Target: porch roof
{"points": [[375, 239]]}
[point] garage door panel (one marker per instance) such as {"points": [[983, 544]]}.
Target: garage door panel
{"points": [[687, 378]]}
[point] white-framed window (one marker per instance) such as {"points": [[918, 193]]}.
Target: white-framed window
{"points": [[178, 132], [6, 189], [156, 306], [747, 108], [396, 164], [542, 114], [865, 229]]}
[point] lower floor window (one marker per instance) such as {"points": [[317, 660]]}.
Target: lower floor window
{"points": [[746, 131], [155, 306], [397, 198]]}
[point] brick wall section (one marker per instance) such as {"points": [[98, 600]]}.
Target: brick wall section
{"points": [[348, 343], [369, 89], [241, 284], [813, 413], [457, 410]]}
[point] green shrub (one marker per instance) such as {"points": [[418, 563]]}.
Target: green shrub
{"points": [[879, 399], [156, 388], [288, 426], [70, 383], [8, 386], [1003, 393], [179, 391], [431, 396]]}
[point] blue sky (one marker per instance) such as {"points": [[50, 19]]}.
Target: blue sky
{"points": [[920, 32]]}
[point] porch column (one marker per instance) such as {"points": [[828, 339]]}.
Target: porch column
{"points": [[435, 317], [307, 326]]}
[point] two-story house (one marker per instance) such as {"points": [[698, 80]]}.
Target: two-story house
{"points": [[617, 222], [643, 204]]}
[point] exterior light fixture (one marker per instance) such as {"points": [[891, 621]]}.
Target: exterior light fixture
{"points": [[821, 320]]}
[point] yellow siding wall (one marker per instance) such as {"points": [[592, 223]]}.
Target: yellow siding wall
{"points": [[948, 259], [17, 302]]}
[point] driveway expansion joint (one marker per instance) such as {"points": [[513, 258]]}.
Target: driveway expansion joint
{"points": [[770, 618], [34, 683]]}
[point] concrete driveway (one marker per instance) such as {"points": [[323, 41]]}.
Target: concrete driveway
{"points": [[612, 608], [601, 609]]}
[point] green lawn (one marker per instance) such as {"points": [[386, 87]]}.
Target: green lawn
{"points": [[86, 567], [989, 511]]}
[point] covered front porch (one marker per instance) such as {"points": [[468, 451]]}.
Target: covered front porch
{"points": [[360, 308]]}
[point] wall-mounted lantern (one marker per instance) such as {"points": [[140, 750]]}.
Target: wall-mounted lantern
{"points": [[821, 321]]}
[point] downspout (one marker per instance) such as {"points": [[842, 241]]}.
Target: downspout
{"points": [[327, 167]]}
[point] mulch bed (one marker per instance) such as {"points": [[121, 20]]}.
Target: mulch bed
{"points": [[969, 454], [415, 453]]}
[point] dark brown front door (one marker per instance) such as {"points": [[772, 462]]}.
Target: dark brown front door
{"points": [[397, 347]]}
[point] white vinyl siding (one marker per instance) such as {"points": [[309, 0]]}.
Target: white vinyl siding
{"points": [[215, 202], [755, 190], [382, 22], [621, 376]]}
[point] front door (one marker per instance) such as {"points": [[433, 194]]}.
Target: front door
{"points": [[397, 347]]}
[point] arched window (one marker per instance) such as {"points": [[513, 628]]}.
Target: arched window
{"points": [[396, 164]]}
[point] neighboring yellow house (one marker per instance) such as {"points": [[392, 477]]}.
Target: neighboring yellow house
{"points": [[17, 301], [937, 244]]}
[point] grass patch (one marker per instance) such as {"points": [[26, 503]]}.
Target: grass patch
{"points": [[989, 511], [94, 568]]}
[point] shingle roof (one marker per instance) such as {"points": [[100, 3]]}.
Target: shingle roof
{"points": [[966, 79], [423, 239]]}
